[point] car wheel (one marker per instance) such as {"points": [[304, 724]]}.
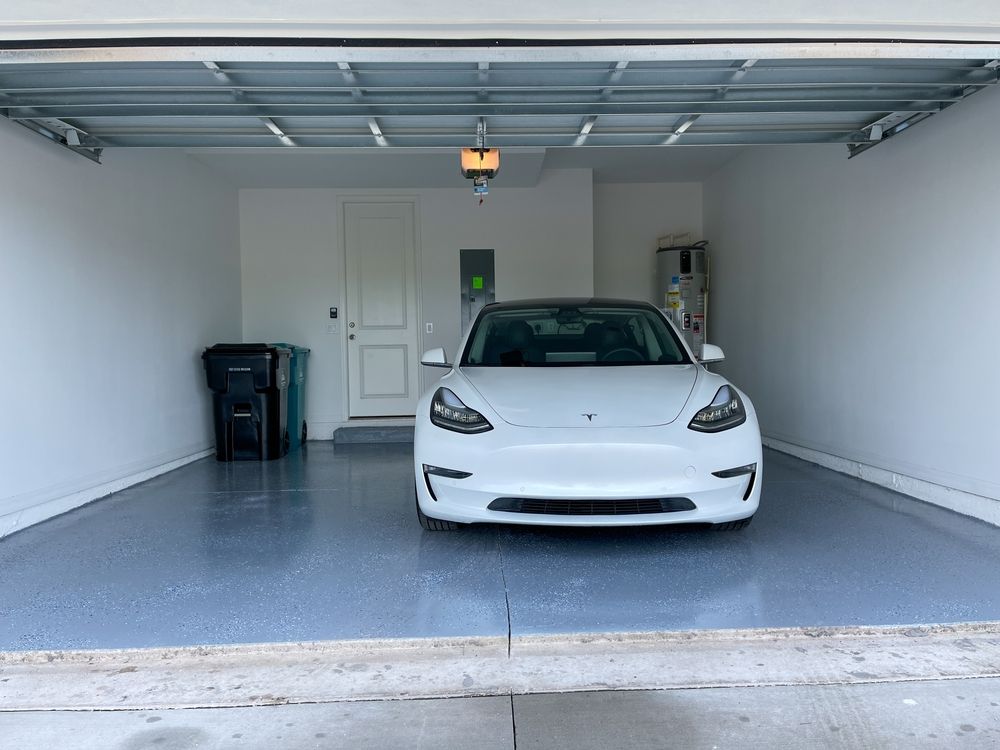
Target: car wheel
{"points": [[732, 525], [433, 524]]}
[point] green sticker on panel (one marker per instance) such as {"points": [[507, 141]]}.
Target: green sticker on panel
{"points": [[477, 282]]}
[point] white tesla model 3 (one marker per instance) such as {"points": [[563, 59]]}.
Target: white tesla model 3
{"points": [[583, 412]]}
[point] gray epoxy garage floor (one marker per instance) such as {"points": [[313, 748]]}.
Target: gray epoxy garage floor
{"points": [[324, 545]]}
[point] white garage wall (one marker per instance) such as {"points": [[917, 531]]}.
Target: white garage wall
{"points": [[857, 300], [112, 279], [293, 264], [628, 219]]}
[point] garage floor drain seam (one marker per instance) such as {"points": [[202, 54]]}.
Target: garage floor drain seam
{"points": [[506, 597]]}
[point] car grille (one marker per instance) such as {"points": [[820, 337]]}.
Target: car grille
{"points": [[591, 507]]}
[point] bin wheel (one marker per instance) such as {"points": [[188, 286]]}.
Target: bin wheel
{"points": [[305, 431]]}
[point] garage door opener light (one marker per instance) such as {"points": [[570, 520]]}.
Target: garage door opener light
{"points": [[480, 164]]}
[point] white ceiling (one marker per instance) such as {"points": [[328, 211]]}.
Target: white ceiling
{"points": [[410, 168], [521, 19]]}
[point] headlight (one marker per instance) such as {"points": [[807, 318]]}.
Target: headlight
{"points": [[448, 411], [725, 412]]}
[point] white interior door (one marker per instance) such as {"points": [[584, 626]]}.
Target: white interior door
{"points": [[382, 326]]}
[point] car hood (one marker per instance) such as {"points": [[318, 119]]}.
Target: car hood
{"points": [[619, 396]]}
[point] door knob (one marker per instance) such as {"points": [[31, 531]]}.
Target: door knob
{"points": [[351, 337]]}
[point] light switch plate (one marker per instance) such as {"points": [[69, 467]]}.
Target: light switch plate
{"points": [[430, 328], [331, 328]]}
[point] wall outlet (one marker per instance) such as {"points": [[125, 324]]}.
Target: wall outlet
{"points": [[332, 328]]}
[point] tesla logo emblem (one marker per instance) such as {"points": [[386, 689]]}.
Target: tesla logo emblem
{"points": [[590, 417]]}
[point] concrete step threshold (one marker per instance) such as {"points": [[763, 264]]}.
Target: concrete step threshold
{"points": [[373, 432], [400, 669]]}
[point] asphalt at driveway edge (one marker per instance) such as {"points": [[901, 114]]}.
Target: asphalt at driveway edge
{"points": [[394, 669]]}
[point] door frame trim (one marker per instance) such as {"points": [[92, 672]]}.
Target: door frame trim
{"points": [[341, 247]]}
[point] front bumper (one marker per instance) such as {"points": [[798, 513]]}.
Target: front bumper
{"points": [[590, 464]]}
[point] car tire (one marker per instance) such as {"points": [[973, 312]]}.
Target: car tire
{"points": [[732, 525], [433, 524]]}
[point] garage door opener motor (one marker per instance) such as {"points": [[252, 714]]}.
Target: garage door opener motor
{"points": [[480, 164]]}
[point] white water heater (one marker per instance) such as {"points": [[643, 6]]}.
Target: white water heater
{"points": [[682, 284]]}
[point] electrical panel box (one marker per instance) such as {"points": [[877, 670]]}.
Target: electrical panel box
{"points": [[478, 287], [682, 284]]}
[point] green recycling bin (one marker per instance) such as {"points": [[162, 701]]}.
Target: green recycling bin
{"points": [[297, 428]]}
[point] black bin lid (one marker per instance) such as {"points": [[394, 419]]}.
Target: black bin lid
{"points": [[251, 348]]}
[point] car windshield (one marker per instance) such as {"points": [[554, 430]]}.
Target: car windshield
{"points": [[560, 336]]}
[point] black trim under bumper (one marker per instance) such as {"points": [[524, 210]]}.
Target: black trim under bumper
{"points": [[550, 507]]}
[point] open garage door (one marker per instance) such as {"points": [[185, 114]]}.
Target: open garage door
{"points": [[557, 97]]}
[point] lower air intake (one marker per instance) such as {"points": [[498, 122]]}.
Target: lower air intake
{"points": [[591, 507]]}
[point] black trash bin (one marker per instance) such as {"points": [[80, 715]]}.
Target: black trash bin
{"points": [[249, 385]]}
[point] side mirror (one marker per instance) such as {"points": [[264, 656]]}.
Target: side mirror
{"points": [[435, 358], [711, 353]]}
